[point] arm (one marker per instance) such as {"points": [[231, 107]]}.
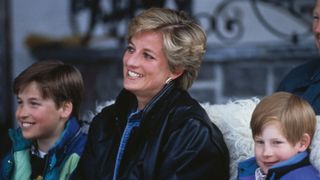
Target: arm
{"points": [[88, 161], [195, 151]]}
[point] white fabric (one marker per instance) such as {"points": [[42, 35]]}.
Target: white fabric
{"points": [[233, 119], [315, 147]]}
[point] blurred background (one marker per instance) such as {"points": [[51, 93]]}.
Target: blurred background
{"points": [[252, 45]]}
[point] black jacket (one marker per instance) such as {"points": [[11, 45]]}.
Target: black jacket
{"points": [[176, 140], [304, 81]]}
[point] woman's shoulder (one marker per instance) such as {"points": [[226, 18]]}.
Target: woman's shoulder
{"points": [[104, 110], [191, 117], [186, 109], [100, 118]]}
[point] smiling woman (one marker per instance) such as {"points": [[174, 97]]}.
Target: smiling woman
{"points": [[145, 69], [155, 129]]}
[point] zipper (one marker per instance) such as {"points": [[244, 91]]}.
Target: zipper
{"points": [[46, 166]]}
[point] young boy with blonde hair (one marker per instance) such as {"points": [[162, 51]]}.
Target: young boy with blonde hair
{"points": [[49, 140], [282, 127]]}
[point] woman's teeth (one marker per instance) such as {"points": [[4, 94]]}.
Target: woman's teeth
{"points": [[133, 74]]}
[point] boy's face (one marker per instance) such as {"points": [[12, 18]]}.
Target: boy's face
{"points": [[39, 118], [272, 147]]}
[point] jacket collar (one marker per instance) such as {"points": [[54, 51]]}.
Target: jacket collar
{"points": [[295, 159], [248, 166], [70, 131], [279, 169], [18, 141], [126, 101], [61, 147], [57, 153], [72, 128]]}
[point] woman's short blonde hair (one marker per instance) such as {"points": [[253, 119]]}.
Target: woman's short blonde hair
{"points": [[294, 114], [184, 41]]}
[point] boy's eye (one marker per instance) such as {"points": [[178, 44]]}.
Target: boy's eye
{"points": [[19, 101], [259, 142], [277, 142]]}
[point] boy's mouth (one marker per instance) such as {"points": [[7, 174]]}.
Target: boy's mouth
{"points": [[269, 164], [26, 124]]}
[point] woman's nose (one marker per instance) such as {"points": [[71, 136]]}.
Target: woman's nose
{"points": [[132, 59]]}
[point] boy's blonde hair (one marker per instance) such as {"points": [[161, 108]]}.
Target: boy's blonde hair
{"points": [[294, 114]]}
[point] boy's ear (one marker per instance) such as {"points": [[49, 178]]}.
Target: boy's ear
{"points": [[66, 109], [304, 142]]}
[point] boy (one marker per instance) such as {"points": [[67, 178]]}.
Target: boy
{"points": [[282, 126], [49, 141]]}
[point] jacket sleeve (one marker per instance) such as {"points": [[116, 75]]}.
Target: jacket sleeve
{"points": [[6, 166], [195, 151], [87, 162]]}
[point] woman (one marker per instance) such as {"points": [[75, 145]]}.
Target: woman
{"points": [[155, 130]]}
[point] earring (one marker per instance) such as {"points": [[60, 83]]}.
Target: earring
{"points": [[168, 80]]}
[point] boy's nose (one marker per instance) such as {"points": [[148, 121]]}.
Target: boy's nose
{"points": [[267, 151], [21, 112]]}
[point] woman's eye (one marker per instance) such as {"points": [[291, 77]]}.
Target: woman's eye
{"points": [[148, 56], [130, 49], [34, 103]]}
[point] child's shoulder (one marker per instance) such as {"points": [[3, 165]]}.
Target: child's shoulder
{"points": [[247, 167], [304, 172]]}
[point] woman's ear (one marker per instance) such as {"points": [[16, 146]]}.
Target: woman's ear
{"points": [[66, 109], [304, 142], [177, 73]]}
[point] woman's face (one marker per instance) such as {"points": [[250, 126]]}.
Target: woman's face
{"points": [[145, 67]]}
